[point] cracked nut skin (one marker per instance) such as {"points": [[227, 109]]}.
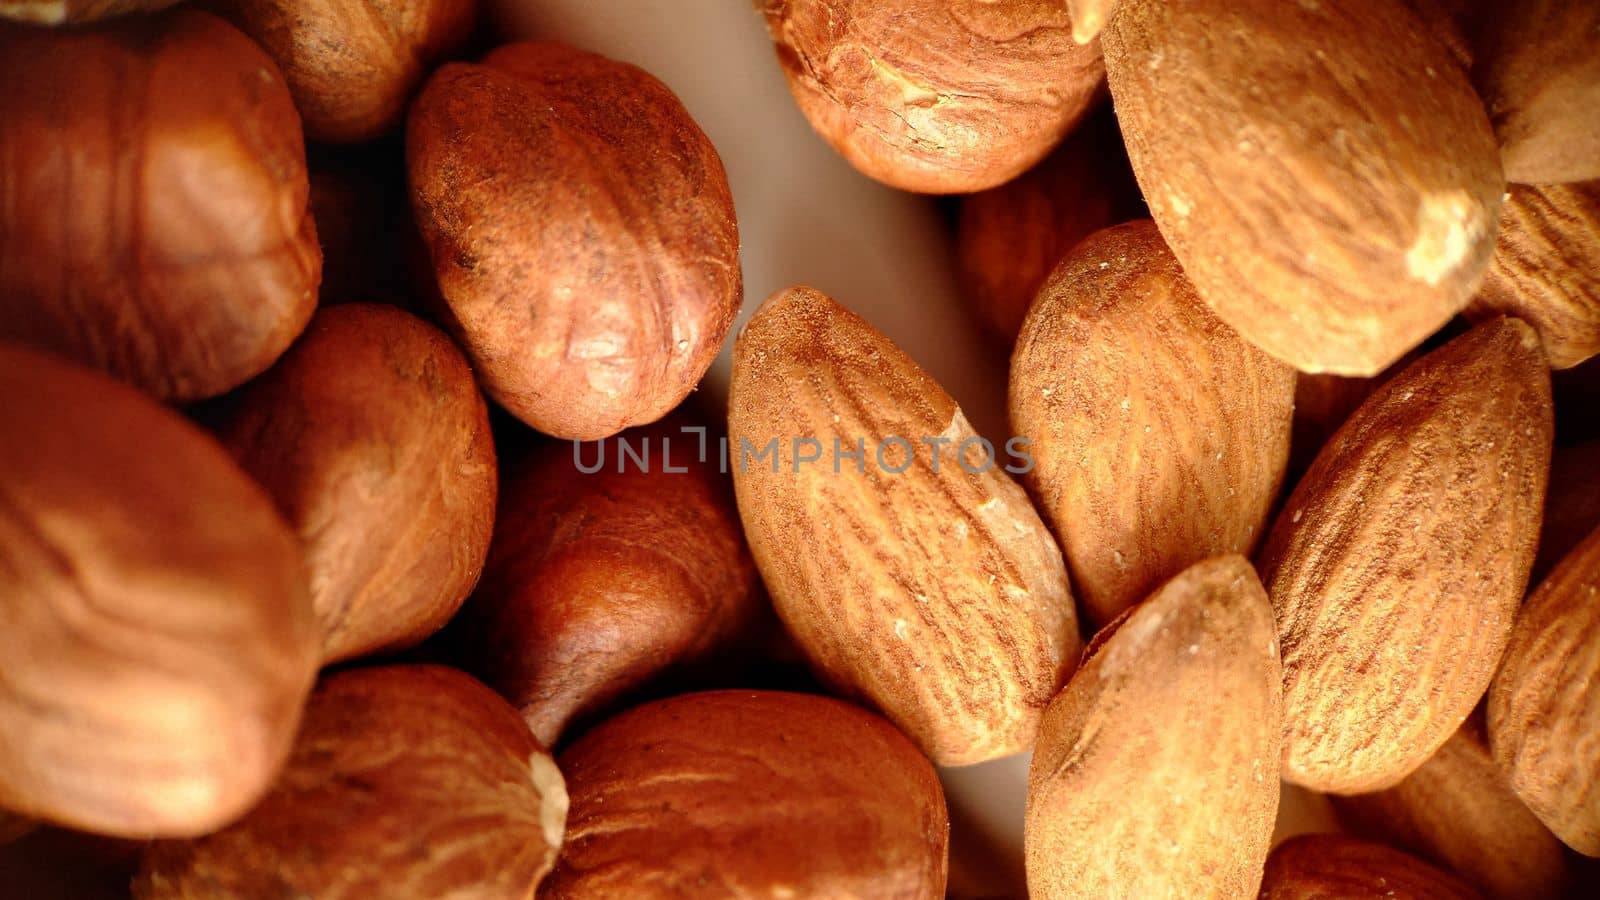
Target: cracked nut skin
{"points": [[1333, 867], [406, 781], [373, 439], [1122, 800], [1159, 435], [1538, 70], [158, 639], [1544, 711], [1546, 268], [733, 794], [173, 246], [600, 581], [1323, 171], [936, 96], [352, 65], [582, 233], [1397, 565], [936, 594], [73, 12]]}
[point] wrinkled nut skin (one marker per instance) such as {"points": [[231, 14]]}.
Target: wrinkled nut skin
{"points": [[373, 439], [1323, 171], [1009, 238], [172, 247], [1397, 565], [1159, 436], [1538, 69], [353, 64], [598, 581], [1459, 811], [1544, 714], [582, 232], [158, 639], [1121, 802], [1333, 867], [732, 794], [1546, 267], [937, 595], [63, 12], [936, 96], [406, 781]]}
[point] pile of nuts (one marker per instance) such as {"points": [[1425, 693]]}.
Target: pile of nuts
{"points": [[362, 539]]}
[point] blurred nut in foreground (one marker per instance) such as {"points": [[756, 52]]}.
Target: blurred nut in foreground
{"points": [[63, 12], [172, 246], [158, 641], [733, 794], [582, 232], [406, 781], [373, 439], [1325, 866]]}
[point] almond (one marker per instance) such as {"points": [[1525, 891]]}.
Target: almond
{"points": [[1539, 73], [1323, 171], [1546, 268], [1121, 799], [914, 574], [1459, 811], [733, 794], [406, 781], [1330, 867], [1397, 565], [1544, 716], [1160, 435]]}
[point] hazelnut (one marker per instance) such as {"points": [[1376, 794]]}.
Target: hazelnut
{"points": [[353, 64], [599, 581], [582, 232], [938, 96], [171, 246], [63, 12], [750, 794], [373, 439], [158, 640], [405, 781]]}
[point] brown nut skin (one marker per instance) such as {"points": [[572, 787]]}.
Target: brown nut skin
{"points": [[598, 581], [1159, 435], [1009, 238], [1544, 713], [353, 64], [1546, 268], [406, 781], [373, 439], [1122, 800], [935, 592], [1459, 811], [64, 12], [1538, 69], [582, 232], [158, 639], [733, 794], [936, 96], [1333, 867], [172, 247], [1323, 171], [1397, 565]]}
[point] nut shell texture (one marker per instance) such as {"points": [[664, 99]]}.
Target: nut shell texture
{"points": [[1331, 867], [582, 233], [734, 794], [1323, 171], [1397, 565], [172, 247]]}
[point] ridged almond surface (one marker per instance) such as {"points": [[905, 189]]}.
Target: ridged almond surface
{"points": [[1156, 771], [1397, 565], [1544, 708], [1459, 811], [1159, 435], [1539, 73], [1546, 268], [1331, 867], [936, 594], [744, 794], [407, 782], [1323, 171]]}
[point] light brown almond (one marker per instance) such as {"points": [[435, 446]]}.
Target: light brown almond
{"points": [[1331, 867]]}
